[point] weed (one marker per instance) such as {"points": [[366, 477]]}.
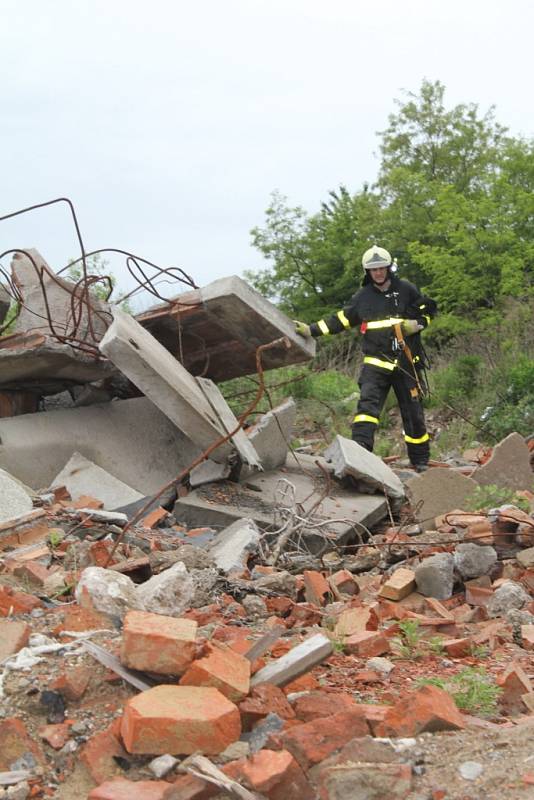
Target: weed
{"points": [[407, 644], [492, 496], [435, 644], [472, 689]]}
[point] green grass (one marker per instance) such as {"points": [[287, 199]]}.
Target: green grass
{"points": [[472, 689]]}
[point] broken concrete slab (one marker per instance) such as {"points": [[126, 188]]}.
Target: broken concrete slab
{"points": [[226, 416], [260, 499], [509, 465], [296, 662], [220, 327], [5, 302], [208, 472], [349, 458], [131, 439], [164, 381], [272, 434], [232, 546], [81, 477], [437, 491], [53, 305], [14, 499]]}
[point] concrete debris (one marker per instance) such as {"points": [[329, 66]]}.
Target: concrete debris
{"points": [[14, 499], [350, 459], [208, 472], [473, 560], [272, 434], [169, 593], [164, 381], [295, 663], [233, 546], [437, 491], [508, 465], [434, 577], [509, 596], [81, 477]]}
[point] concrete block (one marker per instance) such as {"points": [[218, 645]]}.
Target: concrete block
{"points": [[163, 380], [81, 477], [208, 472], [232, 546], [226, 416], [296, 662], [438, 491], [435, 576], [272, 434], [509, 465], [350, 458], [221, 326], [472, 560], [131, 439], [260, 500]]}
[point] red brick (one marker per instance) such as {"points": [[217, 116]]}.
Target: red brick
{"points": [[305, 683], [14, 636], [99, 553], [73, 683], [160, 644], [367, 644], [274, 774], [222, 668], [343, 582], [78, 619], [514, 682], [321, 704], [458, 648], [478, 595], [399, 585], [180, 720], [151, 520], [56, 735], [14, 742], [428, 709], [264, 699], [316, 588], [122, 789], [355, 620], [314, 741], [13, 602], [187, 787], [527, 637], [304, 615], [97, 754], [32, 571]]}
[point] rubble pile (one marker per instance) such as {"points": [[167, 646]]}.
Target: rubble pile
{"points": [[190, 610]]}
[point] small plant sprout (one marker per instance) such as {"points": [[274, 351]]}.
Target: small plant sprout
{"points": [[407, 644]]}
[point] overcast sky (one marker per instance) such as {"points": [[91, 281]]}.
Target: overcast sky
{"points": [[169, 124]]}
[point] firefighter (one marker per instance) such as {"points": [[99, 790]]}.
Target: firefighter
{"points": [[390, 314]]}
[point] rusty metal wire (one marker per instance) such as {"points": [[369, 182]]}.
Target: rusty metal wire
{"points": [[78, 329]]}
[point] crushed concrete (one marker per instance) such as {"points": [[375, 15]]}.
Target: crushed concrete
{"points": [[232, 547], [472, 560], [272, 434], [434, 576], [14, 499], [348, 458]]}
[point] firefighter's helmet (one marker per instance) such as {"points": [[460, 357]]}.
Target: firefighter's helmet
{"points": [[376, 257]]}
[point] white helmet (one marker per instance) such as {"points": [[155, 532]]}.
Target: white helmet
{"points": [[376, 257]]}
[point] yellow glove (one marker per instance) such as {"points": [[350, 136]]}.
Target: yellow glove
{"points": [[410, 326], [302, 328]]}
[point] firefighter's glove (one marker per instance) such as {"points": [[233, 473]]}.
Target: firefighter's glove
{"points": [[411, 326], [302, 328]]}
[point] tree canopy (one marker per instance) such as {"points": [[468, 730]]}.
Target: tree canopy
{"points": [[453, 202]]}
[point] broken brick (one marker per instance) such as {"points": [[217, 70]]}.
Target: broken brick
{"points": [[263, 700], [399, 585], [355, 620], [316, 588], [13, 602], [343, 582], [275, 774], [98, 754], [157, 515], [73, 683], [514, 683], [457, 648], [428, 709], [14, 636], [15, 742], [180, 720], [321, 704], [222, 668], [314, 741], [527, 636], [122, 789], [367, 644], [56, 735], [157, 643]]}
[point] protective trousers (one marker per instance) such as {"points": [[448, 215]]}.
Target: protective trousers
{"points": [[375, 383]]}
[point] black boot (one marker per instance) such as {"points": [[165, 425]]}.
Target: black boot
{"points": [[420, 467]]}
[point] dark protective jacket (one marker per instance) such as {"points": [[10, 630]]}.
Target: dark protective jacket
{"points": [[376, 313]]}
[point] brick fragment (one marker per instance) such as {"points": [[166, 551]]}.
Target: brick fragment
{"points": [[343, 582], [14, 636], [274, 774], [321, 704], [355, 620], [514, 683], [73, 683], [180, 720], [56, 735], [151, 520], [367, 644], [97, 754], [478, 595], [222, 668], [458, 648], [263, 700], [32, 571], [13, 602], [157, 643], [527, 636], [314, 741], [15, 741], [122, 789], [428, 709], [399, 585], [316, 588]]}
